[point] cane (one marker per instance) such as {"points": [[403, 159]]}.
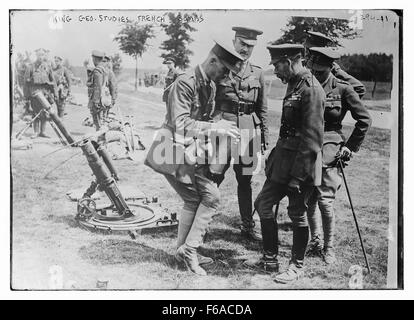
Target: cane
{"points": [[341, 167]]}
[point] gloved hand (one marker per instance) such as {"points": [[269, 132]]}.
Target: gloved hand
{"points": [[294, 186], [344, 153]]}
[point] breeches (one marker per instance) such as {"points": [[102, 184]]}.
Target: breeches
{"points": [[273, 192]]}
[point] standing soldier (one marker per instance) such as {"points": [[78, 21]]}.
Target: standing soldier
{"points": [[39, 76], [62, 78], [189, 106], [340, 98], [240, 98], [294, 166], [95, 88], [111, 84], [317, 39], [169, 78]]}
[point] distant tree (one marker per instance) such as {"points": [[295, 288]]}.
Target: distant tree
{"points": [[178, 30], [296, 27], [375, 67], [116, 63], [132, 40]]}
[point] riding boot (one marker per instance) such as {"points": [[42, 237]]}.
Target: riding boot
{"points": [[185, 222], [268, 261], [244, 194], [300, 241], [295, 270]]}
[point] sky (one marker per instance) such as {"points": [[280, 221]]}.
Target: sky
{"points": [[74, 34]]}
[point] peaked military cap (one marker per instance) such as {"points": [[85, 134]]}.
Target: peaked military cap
{"points": [[284, 51], [317, 39], [98, 54], [59, 58], [248, 35], [321, 57], [228, 56]]}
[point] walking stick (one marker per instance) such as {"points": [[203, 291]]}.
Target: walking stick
{"points": [[341, 167]]}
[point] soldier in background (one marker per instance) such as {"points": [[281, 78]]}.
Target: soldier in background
{"points": [[95, 84], [241, 99], [294, 166], [39, 76], [170, 77], [317, 39], [111, 84], [63, 82]]}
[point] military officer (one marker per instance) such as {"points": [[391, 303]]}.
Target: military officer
{"points": [[317, 39], [96, 85], [63, 82], [294, 166], [39, 76], [111, 84], [240, 98], [340, 98], [189, 107], [170, 77]]}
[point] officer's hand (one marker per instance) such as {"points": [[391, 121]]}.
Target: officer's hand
{"points": [[227, 127], [344, 153], [294, 186]]}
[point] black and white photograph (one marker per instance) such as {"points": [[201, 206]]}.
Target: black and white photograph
{"points": [[205, 149]]}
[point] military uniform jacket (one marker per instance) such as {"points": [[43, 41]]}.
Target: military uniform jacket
{"points": [[355, 83], [189, 107], [39, 76], [97, 81], [62, 77], [341, 98], [250, 82], [298, 152], [169, 79]]}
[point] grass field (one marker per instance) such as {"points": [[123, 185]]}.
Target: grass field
{"points": [[45, 232]]}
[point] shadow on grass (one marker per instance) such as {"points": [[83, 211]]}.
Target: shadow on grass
{"points": [[112, 251], [68, 220]]}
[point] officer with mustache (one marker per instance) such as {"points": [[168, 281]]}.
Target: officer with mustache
{"points": [[240, 98]]}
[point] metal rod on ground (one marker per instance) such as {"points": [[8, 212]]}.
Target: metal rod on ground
{"points": [[21, 132], [341, 167]]}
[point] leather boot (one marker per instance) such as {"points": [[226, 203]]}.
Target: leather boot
{"points": [[188, 255], [184, 225], [300, 242], [199, 226], [270, 247]]}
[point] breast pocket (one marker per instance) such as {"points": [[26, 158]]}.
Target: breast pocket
{"points": [[253, 87], [333, 111], [291, 110]]}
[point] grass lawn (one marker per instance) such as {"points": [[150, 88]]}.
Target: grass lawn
{"points": [[45, 232]]}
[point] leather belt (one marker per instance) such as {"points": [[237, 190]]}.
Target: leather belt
{"points": [[332, 126], [237, 108]]}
